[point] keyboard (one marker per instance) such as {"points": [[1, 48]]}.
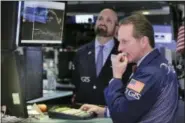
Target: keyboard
{"points": [[65, 112]]}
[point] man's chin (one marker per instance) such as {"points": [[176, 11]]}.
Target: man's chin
{"points": [[130, 60], [102, 35], [101, 32]]}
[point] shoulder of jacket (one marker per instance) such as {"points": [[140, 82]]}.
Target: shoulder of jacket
{"points": [[84, 47]]}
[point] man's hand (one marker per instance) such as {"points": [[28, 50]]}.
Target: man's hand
{"points": [[119, 65], [93, 109]]}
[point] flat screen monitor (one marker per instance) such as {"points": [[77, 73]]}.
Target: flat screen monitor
{"points": [[163, 33], [12, 84], [65, 66], [164, 36], [41, 23], [84, 19]]}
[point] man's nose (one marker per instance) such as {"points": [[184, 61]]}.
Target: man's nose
{"points": [[120, 48], [102, 22]]}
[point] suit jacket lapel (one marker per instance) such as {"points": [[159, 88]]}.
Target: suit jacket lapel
{"points": [[91, 59]]}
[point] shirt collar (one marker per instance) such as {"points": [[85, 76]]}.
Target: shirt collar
{"points": [[139, 62], [108, 45]]}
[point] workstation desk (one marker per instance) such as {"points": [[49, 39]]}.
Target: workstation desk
{"points": [[46, 119], [61, 94], [51, 95]]}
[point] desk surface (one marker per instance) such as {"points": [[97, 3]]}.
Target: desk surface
{"points": [[95, 120], [48, 95]]}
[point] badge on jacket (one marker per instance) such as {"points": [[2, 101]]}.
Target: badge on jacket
{"points": [[85, 79], [135, 85], [132, 95], [133, 90]]}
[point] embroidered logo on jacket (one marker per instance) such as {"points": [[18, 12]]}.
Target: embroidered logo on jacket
{"points": [[132, 95], [85, 79]]}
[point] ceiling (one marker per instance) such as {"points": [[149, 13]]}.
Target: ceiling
{"points": [[156, 9], [123, 7]]}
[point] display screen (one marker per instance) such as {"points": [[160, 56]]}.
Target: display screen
{"points": [[164, 36], [40, 22], [84, 19]]}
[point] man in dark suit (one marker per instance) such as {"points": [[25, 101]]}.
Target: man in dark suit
{"points": [[93, 69]]}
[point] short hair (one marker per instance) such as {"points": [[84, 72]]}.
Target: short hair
{"points": [[114, 11], [142, 27]]}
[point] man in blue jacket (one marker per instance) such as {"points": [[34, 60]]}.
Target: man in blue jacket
{"points": [[151, 95]]}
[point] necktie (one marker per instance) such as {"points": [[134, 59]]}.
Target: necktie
{"points": [[134, 68], [99, 63]]}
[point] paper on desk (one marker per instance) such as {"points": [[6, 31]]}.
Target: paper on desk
{"points": [[38, 109]]}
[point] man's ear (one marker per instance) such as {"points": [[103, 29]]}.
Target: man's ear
{"points": [[145, 41]]}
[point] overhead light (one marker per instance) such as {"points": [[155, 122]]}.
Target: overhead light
{"points": [[145, 12]]}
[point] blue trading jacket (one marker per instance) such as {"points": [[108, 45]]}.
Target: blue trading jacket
{"points": [[151, 96]]}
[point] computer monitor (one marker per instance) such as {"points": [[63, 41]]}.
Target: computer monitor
{"points": [[21, 72], [20, 75], [65, 66], [13, 83], [41, 23], [164, 36], [12, 64], [84, 18], [33, 60]]}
